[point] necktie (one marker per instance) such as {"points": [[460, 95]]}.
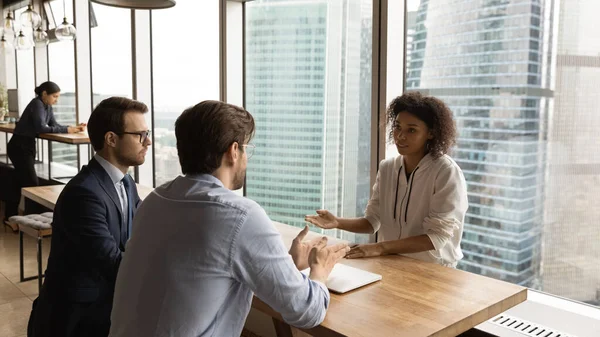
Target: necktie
{"points": [[127, 185]]}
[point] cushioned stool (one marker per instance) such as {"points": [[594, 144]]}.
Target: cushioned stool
{"points": [[37, 226]]}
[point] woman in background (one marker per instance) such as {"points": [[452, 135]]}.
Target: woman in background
{"points": [[419, 200], [37, 118]]}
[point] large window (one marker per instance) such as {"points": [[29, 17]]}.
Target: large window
{"points": [[25, 68], [308, 86], [111, 53], [61, 70], [526, 127], [185, 57]]}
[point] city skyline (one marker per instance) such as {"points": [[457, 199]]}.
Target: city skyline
{"points": [[487, 60]]}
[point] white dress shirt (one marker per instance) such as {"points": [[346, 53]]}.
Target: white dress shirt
{"points": [[116, 176]]}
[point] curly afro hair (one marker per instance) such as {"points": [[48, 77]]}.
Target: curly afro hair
{"points": [[433, 112]]}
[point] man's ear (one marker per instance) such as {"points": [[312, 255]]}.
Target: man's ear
{"points": [[110, 139], [232, 154]]}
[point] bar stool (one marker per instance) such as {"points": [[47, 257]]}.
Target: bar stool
{"points": [[38, 226]]}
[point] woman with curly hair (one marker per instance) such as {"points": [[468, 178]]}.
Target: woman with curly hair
{"points": [[419, 200]]}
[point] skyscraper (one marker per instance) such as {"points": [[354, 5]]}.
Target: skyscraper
{"points": [[571, 253], [489, 60], [307, 72]]}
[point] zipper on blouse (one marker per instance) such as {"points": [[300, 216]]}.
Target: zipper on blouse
{"points": [[412, 178]]}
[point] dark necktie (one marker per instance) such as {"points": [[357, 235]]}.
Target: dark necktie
{"points": [[127, 186]]}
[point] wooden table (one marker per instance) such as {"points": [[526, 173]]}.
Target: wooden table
{"points": [[67, 138], [414, 298], [80, 138], [48, 195]]}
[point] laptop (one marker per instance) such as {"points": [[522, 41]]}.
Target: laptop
{"points": [[344, 278]]}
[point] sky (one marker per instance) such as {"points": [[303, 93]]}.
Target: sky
{"points": [[185, 53]]}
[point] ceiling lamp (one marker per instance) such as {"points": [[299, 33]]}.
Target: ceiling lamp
{"points": [[23, 42], [65, 31], [30, 19], [137, 4], [5, 46], [9, 23], [40, 37]]}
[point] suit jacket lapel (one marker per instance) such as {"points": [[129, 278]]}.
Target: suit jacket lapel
{"points": [[108, 187]]}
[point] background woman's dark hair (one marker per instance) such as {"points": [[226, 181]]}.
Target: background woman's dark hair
{"points": [[49, 87], [109, 116], [433, 112], [205, 131]]}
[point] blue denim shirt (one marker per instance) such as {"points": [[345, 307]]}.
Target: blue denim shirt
{"points": [[197, 254]]}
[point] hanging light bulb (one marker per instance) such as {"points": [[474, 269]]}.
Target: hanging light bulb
{"points": [[40, 38], [30, 19], [65, 31], [23, 42], [5, 46], [9, 24]]}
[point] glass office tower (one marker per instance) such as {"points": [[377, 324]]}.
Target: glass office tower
{"points": [[308, 84], [490, 60]]}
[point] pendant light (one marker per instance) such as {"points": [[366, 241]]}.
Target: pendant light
{"points": [[5, 46], [30, 19], [65, 31], [40, 37], [137, 4], [9, 24], [23, 42]]}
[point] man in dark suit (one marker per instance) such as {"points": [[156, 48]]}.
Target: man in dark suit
{"points": [[92, 223]]}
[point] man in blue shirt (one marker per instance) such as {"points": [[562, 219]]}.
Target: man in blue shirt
{"points": [[199, 251]]}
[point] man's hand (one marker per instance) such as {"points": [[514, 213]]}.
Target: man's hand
{"points": [[323, 260], [301, 249]]}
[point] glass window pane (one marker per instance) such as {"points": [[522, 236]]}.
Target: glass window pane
{"points": [[61, 70], [25, 66], [185, 51], [308, 85], [528, 133], [111, 53]]}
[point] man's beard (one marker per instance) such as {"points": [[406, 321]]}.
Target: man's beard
{"points": [[125, 161], [238, 179]]}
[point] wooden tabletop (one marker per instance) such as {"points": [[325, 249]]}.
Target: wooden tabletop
{"points": [[47, 195], [10, 128], [414, 298], [67, 138]]}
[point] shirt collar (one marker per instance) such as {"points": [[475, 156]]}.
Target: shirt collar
{"points": [[114, 173], [205, 177]]}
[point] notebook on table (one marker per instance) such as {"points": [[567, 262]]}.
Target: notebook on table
{"points": [[344, 278]]}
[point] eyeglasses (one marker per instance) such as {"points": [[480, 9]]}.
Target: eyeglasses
{"points": [[249, 149], [143, 135]]}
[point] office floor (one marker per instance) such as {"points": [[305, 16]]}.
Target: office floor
{"points": [[16, 297]]}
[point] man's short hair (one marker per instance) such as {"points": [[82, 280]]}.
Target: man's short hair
{"points": [[109, 116], [205, 131]]}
